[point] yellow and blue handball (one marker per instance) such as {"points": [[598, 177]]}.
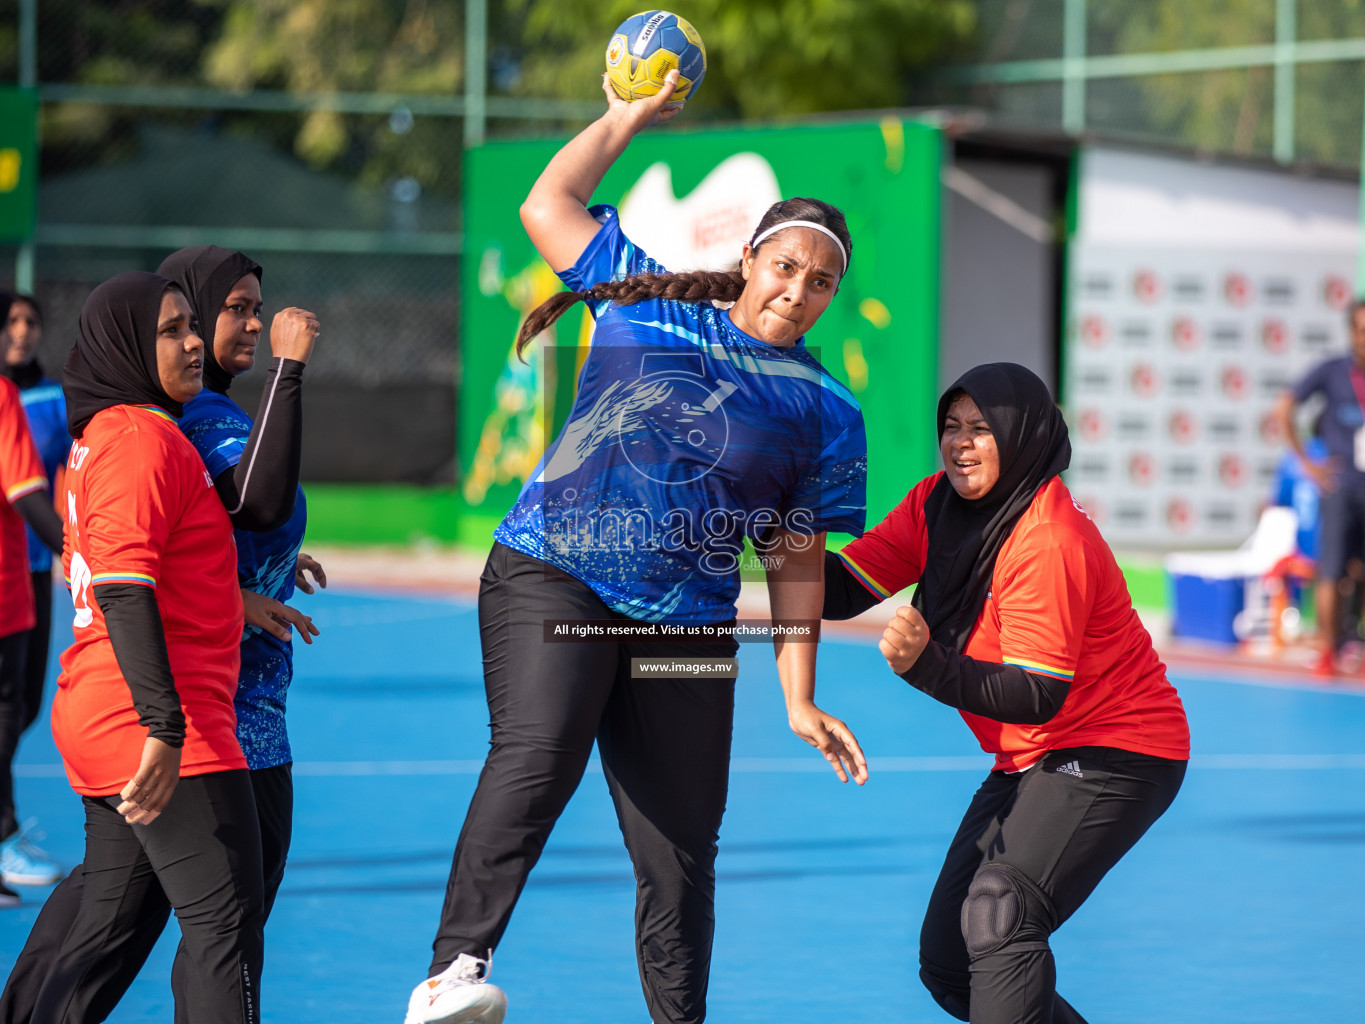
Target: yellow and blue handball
{"points": [[646, 47]]}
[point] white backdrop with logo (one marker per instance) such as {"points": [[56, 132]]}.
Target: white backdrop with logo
{"points": [[1197, 294]]}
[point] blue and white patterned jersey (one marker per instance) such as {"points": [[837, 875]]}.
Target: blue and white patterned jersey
{"points": [[686, 436], [266, 563], [45, 406]]}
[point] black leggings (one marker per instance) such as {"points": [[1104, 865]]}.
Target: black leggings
{"points": [[104, 984], [39, 640], [1030, 850], [12, 651], [23, 666], [665, 749]]}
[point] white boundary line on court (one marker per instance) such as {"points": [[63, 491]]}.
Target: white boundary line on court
{"points": [[780, 765]]}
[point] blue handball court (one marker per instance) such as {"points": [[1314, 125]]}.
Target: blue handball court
{"points": [[1243, 904]]}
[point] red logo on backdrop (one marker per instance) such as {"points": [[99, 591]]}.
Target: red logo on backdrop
{"points": [[1144, 380], [1092, 424], [1179, 515], [1094, 331], [1336, 291], [1181, 427], [1185, 333], [1235, 382], [1141, 469], [1272, 430], [1275, 336], [1147, 287], [1232, 470], [1237, 288]]}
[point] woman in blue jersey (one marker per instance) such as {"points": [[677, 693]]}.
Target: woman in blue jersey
{"points": [[694, 428], [255, 470], [21, 862]]}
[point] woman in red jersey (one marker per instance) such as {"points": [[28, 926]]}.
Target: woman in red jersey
{"points": [[1022, 621], [143, 715]]}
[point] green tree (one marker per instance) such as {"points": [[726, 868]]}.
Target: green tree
{"points": [[765, 58], [105, 42], [323, 46], [1229, 110]]}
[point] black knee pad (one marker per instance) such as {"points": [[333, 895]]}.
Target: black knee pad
{"points": [[1003, 908]]}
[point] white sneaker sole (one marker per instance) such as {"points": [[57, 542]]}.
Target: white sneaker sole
{"points": [[489, 1007]]}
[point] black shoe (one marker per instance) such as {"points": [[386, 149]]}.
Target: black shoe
{"points": [[8, 897]]}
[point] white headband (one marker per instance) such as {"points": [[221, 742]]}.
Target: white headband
{"points": [[783, 225]]}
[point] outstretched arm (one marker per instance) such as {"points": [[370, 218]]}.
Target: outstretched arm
{"points": [[555, 214], [796, 592]]}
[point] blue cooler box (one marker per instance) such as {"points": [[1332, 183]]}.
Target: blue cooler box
{"points": [[1203, 608]]}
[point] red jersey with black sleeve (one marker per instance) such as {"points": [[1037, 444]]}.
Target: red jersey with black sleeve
{"points": [[141, 509], [1058, 607], [21, 472]]}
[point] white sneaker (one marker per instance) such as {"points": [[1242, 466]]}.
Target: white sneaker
{"points": [[458, 995]]}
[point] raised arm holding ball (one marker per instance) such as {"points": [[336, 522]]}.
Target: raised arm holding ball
{"points": [[693, 428]]}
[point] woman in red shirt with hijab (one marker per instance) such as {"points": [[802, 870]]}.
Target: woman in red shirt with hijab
{"points": [[1022, 621], [143, 716]]}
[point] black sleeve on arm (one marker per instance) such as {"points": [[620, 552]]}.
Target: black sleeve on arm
{"points": [[1005, 693], [845, 596], [259, 491], [139, 643], [36, 508]]}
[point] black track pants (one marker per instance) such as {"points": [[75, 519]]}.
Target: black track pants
{"points": [[665, 749], [39, 641], [204, 853], [13, 649], [1030, 850], [101, 991]]}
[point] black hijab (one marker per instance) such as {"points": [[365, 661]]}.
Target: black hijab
{"points": [[965, 537], [30, 374], [206, 274], [114, 359]]}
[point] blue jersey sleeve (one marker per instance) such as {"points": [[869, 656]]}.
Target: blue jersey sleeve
{"points": [[45, 406], [610, 256], [832, 495], [217, 434]]}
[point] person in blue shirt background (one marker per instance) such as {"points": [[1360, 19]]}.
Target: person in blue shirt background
{"points": [[1340, 476], [695, 426], [21, 861]]}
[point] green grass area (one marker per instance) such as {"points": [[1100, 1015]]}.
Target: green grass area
{"points": [[1147, 583], [394, 514]]}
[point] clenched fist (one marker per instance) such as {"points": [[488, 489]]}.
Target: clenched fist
{"points": [[904, 640], [292, 334]]}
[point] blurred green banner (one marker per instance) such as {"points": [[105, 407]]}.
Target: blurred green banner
{"points": [[689, 199], [18, 163]]}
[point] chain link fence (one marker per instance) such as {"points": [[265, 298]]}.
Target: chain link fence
{"points": [[337, 167], [1264, 79]]}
